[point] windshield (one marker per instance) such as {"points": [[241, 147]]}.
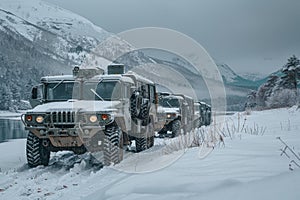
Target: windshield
{"points": [[62, 90], [169, 103], [105, 90]]}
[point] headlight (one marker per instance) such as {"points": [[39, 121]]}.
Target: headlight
{"points": [[28, 118], [39, 119], [105, 117], [171, 115], [93, 118]]}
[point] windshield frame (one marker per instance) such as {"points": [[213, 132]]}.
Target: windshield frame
{"points": [[57, 84], [95, 89], [165, 102]]}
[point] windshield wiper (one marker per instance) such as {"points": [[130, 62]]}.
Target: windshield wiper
{"points": [[97, 94], [60, 82], [169, 104]]}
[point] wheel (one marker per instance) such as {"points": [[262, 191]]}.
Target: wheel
{"points": [[163, 132], [146, 140], [135, 105], [139, 107], [176, 128], [150, 135], [206, 122], [150, 142], [209, 119], [112, 145], [144, 111], [140, 143], [36, 153]]}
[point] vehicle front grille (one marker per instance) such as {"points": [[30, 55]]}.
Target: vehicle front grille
{"points": [[62, 118]]}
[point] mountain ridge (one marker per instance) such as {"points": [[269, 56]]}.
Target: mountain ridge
{"points": [[33, 29]]}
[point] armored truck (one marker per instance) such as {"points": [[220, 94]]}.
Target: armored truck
{"points": [[207, 121], [204, 111], [175, 112], [90, 111]]}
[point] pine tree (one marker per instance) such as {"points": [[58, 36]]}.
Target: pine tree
{"points": [[251, 100], [265, 91], [284, 93], [291, 73], [280, 91]]}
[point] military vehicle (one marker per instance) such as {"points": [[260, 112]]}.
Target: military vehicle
{"points": [[90, 111], [175, 113], [205, 113]]}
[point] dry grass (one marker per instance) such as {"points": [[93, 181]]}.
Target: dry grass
{"points": [[215, 134], [196, 138]]}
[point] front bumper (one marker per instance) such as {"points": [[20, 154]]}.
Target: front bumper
{"points": [[71, 137]]}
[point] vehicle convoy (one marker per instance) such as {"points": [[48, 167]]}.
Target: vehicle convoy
{"points": [[90, 111], [175, 112]]}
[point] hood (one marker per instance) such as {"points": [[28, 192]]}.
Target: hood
{"points": [[78, 106], [161, 109]]}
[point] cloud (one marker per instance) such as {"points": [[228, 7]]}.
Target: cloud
{"points": [[234, 31]]}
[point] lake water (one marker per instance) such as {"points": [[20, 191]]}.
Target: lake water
{"points": [[11, 128]]}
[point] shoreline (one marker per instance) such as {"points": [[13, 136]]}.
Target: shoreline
{"points": [[5, 114]]}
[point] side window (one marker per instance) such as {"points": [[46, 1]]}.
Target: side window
{"points": [[145, 91], [127, 92], [152, 93], [40, 92]]}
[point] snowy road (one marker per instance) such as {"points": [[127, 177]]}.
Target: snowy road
{"points": [[248, 167]]}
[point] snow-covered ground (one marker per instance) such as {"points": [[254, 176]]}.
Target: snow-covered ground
{"points": [[248, 166]]}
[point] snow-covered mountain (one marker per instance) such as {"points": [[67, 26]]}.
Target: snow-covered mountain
{"points": [[37, 39], [233, 79], [44, 39], [67, 35], [61, 33], [253, 76]]}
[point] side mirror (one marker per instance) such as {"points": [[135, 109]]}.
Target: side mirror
{"points": [[34, 92], [35, 96]]}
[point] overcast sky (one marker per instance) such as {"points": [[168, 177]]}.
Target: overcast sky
{"points": [[249, 35]]}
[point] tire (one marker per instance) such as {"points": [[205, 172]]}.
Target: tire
{"points": [[150, 142], [206, 120], [140, 143], [139, 107], [135, 103], [163, 131], [146, 140], [150, 134], [36, 153], [112, 145], [176, 128], [144, 111], [209, 119]]}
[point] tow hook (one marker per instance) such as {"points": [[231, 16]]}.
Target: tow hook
{"points": [[45, 143]]}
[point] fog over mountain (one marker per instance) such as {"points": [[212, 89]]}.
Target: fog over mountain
{"points": [[38, 38], [250, 36]]}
